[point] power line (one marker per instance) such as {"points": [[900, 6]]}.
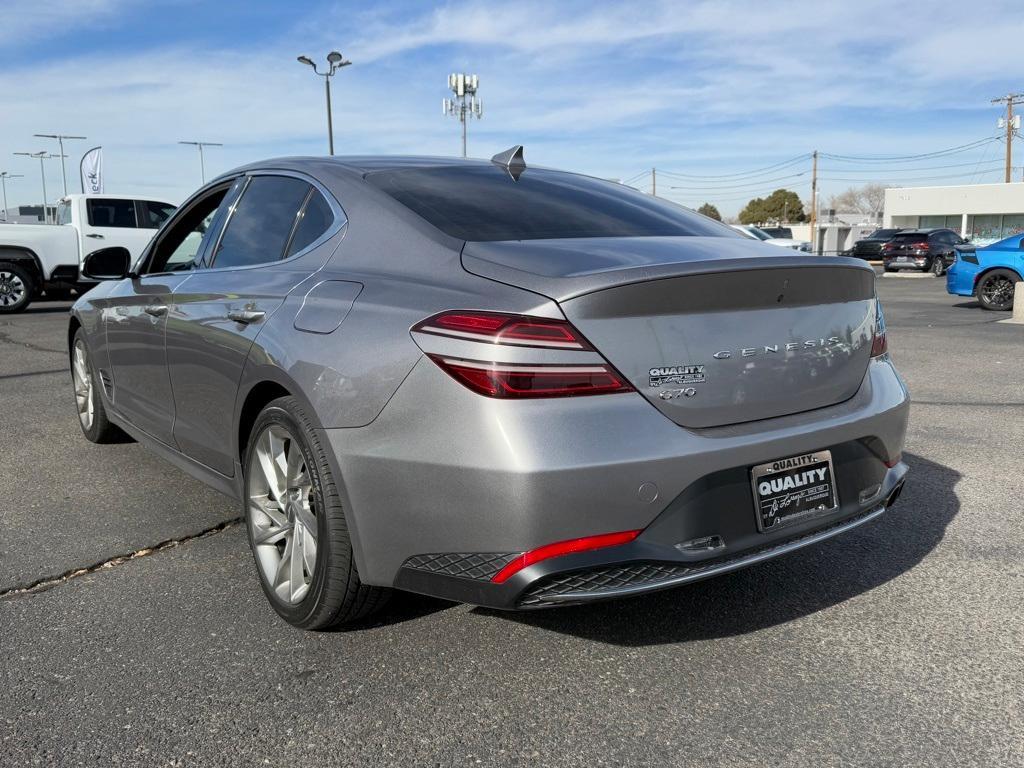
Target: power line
{"points": [[762, 182], [915, 178], [922, 156], [741, 174]]}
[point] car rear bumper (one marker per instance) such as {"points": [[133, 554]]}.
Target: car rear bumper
{"points": [[440, 499], [961, 278]]}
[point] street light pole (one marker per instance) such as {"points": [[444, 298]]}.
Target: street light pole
{"points": [[4, 176], [202, 162], [60, 141], [42, 174], [335, 61]]}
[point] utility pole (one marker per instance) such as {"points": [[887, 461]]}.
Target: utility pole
{"points": [[814, 201], [335, 61], [4, 176], [1011, 124], [200, 145], [465, 104], [654, 182], [60, 140], [40, 156]]}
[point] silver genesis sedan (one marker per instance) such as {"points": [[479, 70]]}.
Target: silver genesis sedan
{"points": [[493, 383]]}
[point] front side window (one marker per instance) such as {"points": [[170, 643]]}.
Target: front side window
{"points": [[105, 212], [178, 249], [486, 202], [259, 229], [152, 214]]}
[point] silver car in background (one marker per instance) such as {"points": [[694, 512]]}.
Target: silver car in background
{"points": [[509, 386]]}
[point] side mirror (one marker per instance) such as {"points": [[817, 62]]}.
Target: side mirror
{"points": [[107, 264]]}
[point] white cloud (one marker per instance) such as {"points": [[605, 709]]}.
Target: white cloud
{"points": [[610, 89]]}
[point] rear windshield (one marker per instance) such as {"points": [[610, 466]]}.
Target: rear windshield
{"points": [[911, 237], [483, 203], [879, 234]]}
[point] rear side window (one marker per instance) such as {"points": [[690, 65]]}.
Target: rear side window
{"points": [[154, 214], [484, 202], [111, 213], [259, 229], [314, 219]]}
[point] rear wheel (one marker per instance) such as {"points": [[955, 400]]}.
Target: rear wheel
{"points": [[92, 415], [16, 287], [297, 527], [938, 266], [995, 290]]}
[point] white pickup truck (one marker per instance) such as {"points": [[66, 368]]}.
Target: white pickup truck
{"points": [[37, 258]]}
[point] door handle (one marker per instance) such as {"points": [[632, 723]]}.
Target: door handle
{"points": [[94, 235], [156, 310], [246, 316]]}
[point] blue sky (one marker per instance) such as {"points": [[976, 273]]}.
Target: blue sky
{"points": [[692, 88]]}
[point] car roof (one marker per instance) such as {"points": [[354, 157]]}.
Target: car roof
{"points": [[362, 164]]}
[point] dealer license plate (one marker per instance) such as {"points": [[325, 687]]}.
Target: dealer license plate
{"points": [[793, 489]]}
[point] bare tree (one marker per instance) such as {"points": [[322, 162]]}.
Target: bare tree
{"points": [[868, 199]]}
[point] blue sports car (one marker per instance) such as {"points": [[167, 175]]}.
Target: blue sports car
{"points": [[989, 273]]}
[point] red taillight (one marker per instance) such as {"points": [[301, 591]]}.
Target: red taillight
{"points": [[585, 544], [522, 381], [888, 247], [920, 246], [482, 370], [504, 329]]}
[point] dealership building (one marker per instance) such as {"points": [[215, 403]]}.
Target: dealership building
{"points": [[982, 212]]}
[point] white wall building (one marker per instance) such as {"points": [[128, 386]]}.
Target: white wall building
{"points": [[983, 212]]}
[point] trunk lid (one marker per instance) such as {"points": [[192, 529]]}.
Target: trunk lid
{"points": [[712, 331]]}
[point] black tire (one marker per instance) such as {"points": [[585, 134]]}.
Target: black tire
{"points": [[995, 290], [938, 266], [97, 428], [16, 288], [335, 595]]}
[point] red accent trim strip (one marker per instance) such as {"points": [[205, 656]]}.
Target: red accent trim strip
{"points": [[559, 548]]}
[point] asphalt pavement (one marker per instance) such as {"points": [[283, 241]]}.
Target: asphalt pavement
{"points": [[898, 644]]}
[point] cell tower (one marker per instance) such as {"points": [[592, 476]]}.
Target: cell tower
{"points": [[465, 104]]}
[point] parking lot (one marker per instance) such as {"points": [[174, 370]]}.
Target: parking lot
{"points": [[900, 644]]}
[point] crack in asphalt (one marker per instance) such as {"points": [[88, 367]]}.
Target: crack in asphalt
{"points": [[4, 337], [49, 582], [32, 373]]}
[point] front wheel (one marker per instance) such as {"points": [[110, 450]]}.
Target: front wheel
{"points": [[297, 527], [995, 290], [16, 288], [92, 415]]}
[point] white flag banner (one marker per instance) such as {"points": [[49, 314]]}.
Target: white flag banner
{"points": [[92, 171]]}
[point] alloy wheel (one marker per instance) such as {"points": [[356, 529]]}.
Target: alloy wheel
{"points": [[282, 513], [998, 291], [12, 289], [82, 380]]}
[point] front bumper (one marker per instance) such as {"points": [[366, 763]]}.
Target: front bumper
{"points": [[440, 499]]}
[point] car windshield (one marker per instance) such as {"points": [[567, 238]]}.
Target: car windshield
{"points": [[760, 234], [911, 237], [486, 202], [882, 234]]}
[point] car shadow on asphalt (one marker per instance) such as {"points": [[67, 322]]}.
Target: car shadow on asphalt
{"points": [[967, 305], [48, 308], [778, 591]]}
